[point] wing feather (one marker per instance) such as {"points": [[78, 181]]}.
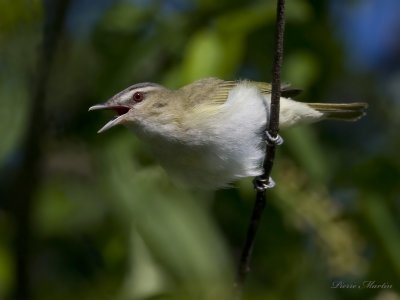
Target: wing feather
{"points": [[215, 92], [224, 87]]}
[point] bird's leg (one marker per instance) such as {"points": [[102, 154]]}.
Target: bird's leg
{"points": [[261, 183], [273, 141]]}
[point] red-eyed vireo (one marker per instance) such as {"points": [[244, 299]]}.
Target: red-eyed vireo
{"points": [[211, 132]]}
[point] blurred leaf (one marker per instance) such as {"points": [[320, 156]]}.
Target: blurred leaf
{"points": [[204, 58], [382, 222], [17, 14], [13, 97], [303, 145], [67, 206], [300, 69], [124, 18], [310, 208], [7, 272], [176, 229], [146, 278]]}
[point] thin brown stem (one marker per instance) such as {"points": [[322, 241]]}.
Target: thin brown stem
{"points": [[263, 180]]}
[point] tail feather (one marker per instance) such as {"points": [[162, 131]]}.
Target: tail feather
{"points": [[341, 111]]}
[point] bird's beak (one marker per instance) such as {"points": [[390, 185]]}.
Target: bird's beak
{"points": [[121, 110]]}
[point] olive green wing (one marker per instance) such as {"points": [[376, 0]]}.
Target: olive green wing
{"points": [[286, 90], [211, 94], [264, 87], [214, 91], [224, 87], [222, 91]]}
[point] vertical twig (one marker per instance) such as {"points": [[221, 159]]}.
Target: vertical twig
{"points": [[27, 173], [273, 129]]}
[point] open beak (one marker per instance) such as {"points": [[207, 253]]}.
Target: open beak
{"points": [[121, 110]]}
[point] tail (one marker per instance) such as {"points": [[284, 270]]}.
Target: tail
{"points": [[341, 111]]}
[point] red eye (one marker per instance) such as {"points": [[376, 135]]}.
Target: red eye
{"points": [[138, 96]]}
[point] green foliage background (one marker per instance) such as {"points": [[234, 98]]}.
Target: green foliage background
{"points": [[106, 221]]}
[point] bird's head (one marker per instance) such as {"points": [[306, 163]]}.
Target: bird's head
{"points": [[142, 101]]}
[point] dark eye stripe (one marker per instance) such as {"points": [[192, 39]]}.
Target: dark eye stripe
{"points": [[146, 86]]}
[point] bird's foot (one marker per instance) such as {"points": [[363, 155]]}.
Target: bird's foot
{"points": [[261, 184], [273, 140]]}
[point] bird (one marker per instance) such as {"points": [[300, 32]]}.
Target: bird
{"points": [[212, 132]]}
